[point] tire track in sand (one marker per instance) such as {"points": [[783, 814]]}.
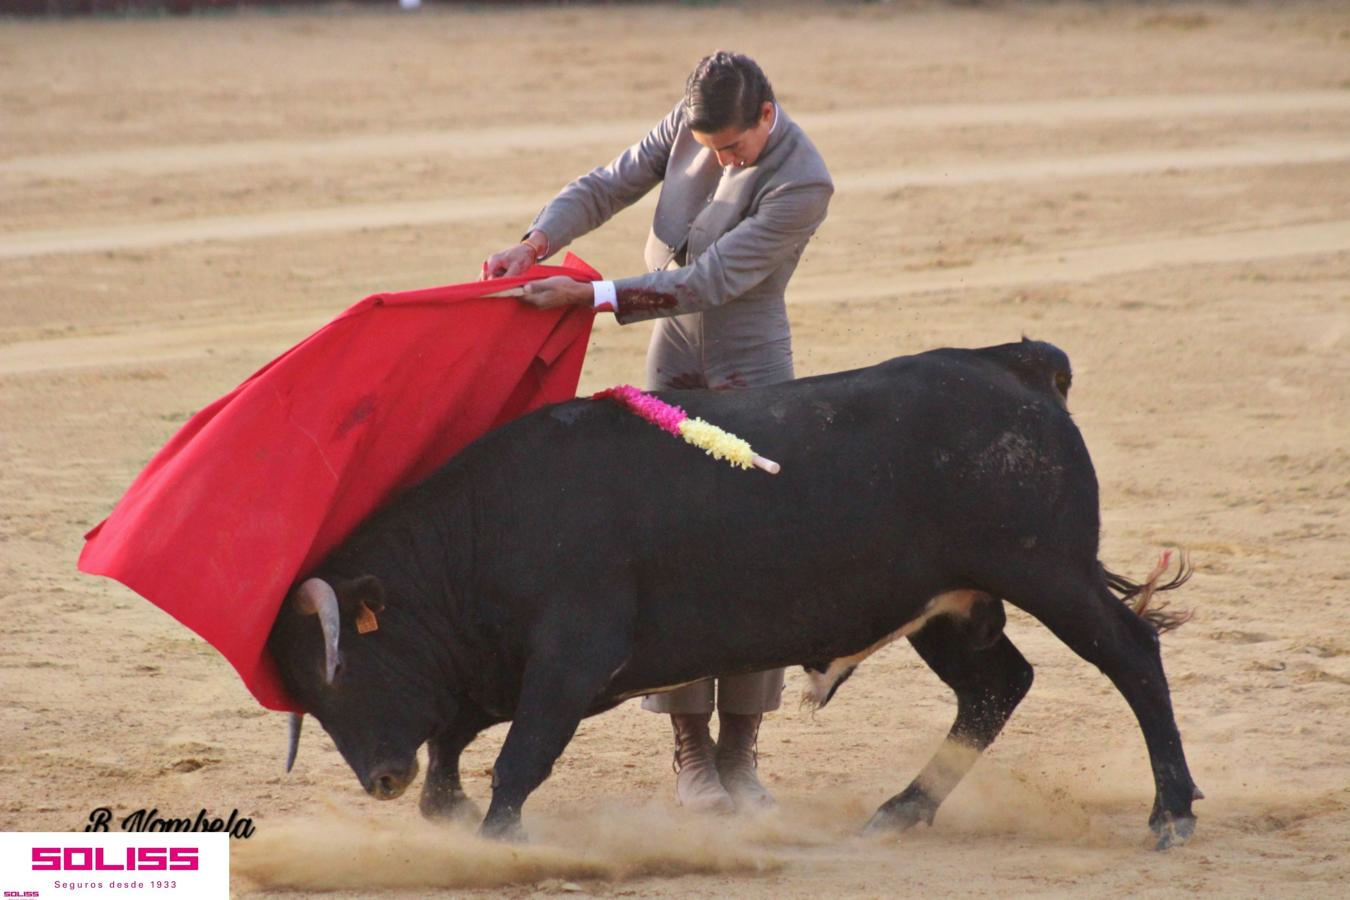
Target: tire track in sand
{"points": [[509, 207], [148, 347], [501, 141]]}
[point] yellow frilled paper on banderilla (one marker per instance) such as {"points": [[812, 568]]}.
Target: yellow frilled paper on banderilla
{"points": [[717, 443]]}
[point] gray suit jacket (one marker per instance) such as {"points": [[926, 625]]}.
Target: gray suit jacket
{"points": [[719, 234]]}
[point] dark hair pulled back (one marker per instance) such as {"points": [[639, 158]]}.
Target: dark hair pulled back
{"points": [[725, 90]]}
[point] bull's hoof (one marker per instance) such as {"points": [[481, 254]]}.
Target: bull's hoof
{"points": [[902, 812], [1174, 831], [508, 831], [1159, 818], [451, 805]]}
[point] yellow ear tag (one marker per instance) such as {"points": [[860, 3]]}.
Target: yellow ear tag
{"points": [[366, 621]]}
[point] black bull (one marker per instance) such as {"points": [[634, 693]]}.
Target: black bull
{"points": [[580, 556]]}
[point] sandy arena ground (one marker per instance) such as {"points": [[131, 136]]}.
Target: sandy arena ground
{"points": [[1163, 191]]}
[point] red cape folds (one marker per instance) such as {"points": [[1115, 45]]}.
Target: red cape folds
{"points": [[258, 487]]}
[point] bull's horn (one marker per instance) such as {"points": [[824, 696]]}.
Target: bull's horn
{"points": [[297, 722], [317, 596]]}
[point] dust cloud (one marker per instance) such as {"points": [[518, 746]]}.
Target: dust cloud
{"points": [[343, 851]]}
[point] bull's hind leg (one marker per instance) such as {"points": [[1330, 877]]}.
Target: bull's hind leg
{"points": [[1082, 612], [989, 677]]}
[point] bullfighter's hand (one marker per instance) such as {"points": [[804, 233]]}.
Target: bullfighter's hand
{"points": [[507, 263], [559, 290]]}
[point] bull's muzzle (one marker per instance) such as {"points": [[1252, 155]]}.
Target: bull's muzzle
{"points": [[389, 781]]}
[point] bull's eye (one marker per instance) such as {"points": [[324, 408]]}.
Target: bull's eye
{"points": [[1062, 381]]}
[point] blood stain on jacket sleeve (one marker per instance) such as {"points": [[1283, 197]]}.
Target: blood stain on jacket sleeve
{"points": [[642, 300]]}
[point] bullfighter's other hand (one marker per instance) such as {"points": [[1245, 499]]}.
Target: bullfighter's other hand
{"points": [[558, 290], [505, 263], [517, 258]]}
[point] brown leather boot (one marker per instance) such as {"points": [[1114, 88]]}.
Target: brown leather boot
{"points": [[696, 784], [737, 760]]}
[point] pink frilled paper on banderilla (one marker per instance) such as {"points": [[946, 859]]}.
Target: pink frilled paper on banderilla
{"points": [[258, 487]]}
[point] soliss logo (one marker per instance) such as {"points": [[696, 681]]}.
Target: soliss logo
{"points": [[92, 859]]}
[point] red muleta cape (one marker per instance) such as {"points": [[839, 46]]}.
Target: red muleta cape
{"points": [[258, 487]]}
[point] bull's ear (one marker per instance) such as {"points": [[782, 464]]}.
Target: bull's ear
{"points": [[367, 590]]}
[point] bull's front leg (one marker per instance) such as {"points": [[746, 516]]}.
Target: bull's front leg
{"points": [[443, 795], [571, 661]]}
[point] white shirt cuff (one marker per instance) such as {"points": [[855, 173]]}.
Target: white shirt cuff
{"points": [[606, 297]]}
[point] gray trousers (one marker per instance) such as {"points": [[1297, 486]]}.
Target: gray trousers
{"points": [[680, 357], [737, 695]]}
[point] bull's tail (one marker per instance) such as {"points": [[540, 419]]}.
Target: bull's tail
{"points": [[1139, 596]]}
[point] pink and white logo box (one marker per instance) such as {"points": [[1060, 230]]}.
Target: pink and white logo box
{"points": [[127, 865]]}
